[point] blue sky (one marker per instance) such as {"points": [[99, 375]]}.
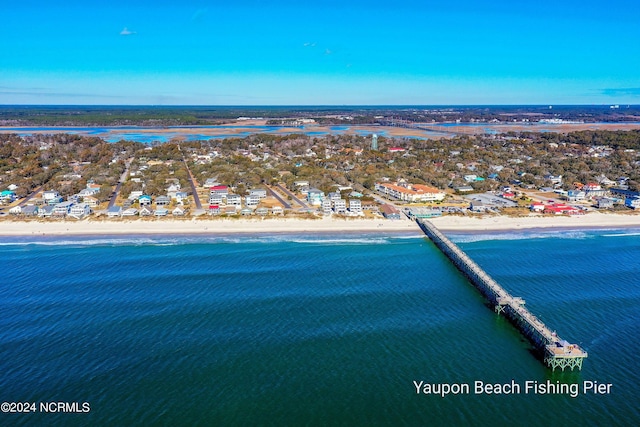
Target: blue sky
{"points": [[334, 52]]}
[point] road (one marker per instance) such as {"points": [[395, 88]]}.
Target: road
{"points": [[280, 199], [31, 196], [23, 202], [115, 193], [196, 198], [293, 196]]}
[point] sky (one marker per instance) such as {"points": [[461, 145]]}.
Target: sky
{"points": [[330, 53]]}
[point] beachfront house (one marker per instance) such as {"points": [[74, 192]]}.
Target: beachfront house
{"points": [[604, 203], [632, 202], [178, 211], [477, 206], [214, 210], [315, 196], [339, 206], [234, 200], [561, 209], [277, 210], [229, 210], [114, 211], [246, 212], [355, 206], [79, 211], [30, 210], [251, 201], [62, 209], [262, 211], [390, 212], [130, 212], [146, 211], [161, 212], [537, 207], [45, 211], [326, 207], [16, 210]]}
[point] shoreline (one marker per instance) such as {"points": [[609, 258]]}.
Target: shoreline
{"points": [[456, 224]]}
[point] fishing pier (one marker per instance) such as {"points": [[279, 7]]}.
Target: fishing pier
{"points": [[556, 352]]}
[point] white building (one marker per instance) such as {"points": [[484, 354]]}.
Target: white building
{"points": [[251, 201], [315, 196], [410, 193], [339, 206], [261, 193], [326, 207], [355, 206], [234, 200]]}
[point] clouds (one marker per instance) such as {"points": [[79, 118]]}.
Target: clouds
{"points": [[126, 32], [628, 91]]}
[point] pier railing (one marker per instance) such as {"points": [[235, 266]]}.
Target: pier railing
{"points": [[556, 352]]}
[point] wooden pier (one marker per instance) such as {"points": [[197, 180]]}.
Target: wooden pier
{"points": [[556, 352]]}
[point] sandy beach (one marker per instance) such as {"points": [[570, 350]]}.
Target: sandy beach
{"points": [[201, 226], [324, 225], [498, 223]]}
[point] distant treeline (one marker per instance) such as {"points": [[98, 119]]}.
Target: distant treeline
{"points": [[212, 115]]}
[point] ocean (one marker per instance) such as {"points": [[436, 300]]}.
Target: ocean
{"points": [[313, 330]]}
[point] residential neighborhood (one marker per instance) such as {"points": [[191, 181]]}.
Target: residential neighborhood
{"points": [[74, 177]]}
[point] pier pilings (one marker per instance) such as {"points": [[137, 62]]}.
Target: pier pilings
{"points": [[556, 352]]}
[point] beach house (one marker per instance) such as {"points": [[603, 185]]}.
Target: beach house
{"points": [[355, 206], [389, 212], [234, 200], [161, 212], [114, 211], [62, 209], [632, 202], [326, 207], [251, 201], [79, 211], [339, 206], [315, 196]]}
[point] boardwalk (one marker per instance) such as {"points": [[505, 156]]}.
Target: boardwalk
{"points": [[556, 352]]}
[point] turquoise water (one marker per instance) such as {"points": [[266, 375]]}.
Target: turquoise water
{"points": [[311, 330]]}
